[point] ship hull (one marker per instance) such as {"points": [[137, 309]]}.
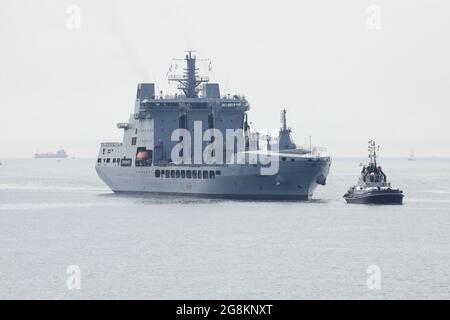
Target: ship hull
{"points": [[293, 181], [257, 197], [392, 197]]}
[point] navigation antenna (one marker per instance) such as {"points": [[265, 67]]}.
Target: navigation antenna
{"points": [[189, 81], [373, 152]]}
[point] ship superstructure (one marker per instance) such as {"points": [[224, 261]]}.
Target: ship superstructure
{"points": [[193, 124]]}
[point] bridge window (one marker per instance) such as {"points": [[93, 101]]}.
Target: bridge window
{"points": [[172, 173], [108, 160], [157, 173], [211, 174], [218, 172], [205, 174], [114, 160], [188, 174], [199, 174], [183, 174], [178, 173], [194, 174]]}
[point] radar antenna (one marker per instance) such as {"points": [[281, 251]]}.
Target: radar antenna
{"points": [[190, 80]]}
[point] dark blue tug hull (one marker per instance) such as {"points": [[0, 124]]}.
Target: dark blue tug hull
{"points": [[375, 197]]}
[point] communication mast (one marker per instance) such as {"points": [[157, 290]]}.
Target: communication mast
{"points": [[189, 81]]}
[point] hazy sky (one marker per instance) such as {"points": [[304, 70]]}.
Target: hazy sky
{"points": [[341, 82]]}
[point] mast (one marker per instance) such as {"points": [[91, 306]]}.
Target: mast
{"points": [[284, 136], [373, 153], [283, 120], [189, 81]]}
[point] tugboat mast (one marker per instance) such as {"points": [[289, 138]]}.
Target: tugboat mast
{"points": [[372, 153]]}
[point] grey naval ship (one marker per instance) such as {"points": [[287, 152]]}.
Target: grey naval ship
{"points": [[145, 159]]}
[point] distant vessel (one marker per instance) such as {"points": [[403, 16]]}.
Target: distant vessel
{"points": [[60, 154], [411, 156], [149, 158], [373, 186]]}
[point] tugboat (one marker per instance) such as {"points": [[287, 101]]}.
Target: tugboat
{"points": [[373, 186]]}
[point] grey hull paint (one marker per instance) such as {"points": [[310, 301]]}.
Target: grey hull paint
{"points": [[376, 197], [294, 181]]}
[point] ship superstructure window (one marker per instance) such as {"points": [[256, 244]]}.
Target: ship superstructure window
{"points": [[186, 174], [99, 160], [133, 141], [218, 172], [114, 160], [197, 105], [108, 160], [126, 162]]}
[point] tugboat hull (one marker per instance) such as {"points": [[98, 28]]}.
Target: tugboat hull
{"points": [[380, 197]]}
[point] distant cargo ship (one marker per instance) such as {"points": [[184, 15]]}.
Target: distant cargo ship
{"points": [[60, 154]]}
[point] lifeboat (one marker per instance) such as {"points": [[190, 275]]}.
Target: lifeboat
{"points": [[143, 155]]}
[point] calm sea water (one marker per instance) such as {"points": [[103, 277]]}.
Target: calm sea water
{"points": [[57, 213]]}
